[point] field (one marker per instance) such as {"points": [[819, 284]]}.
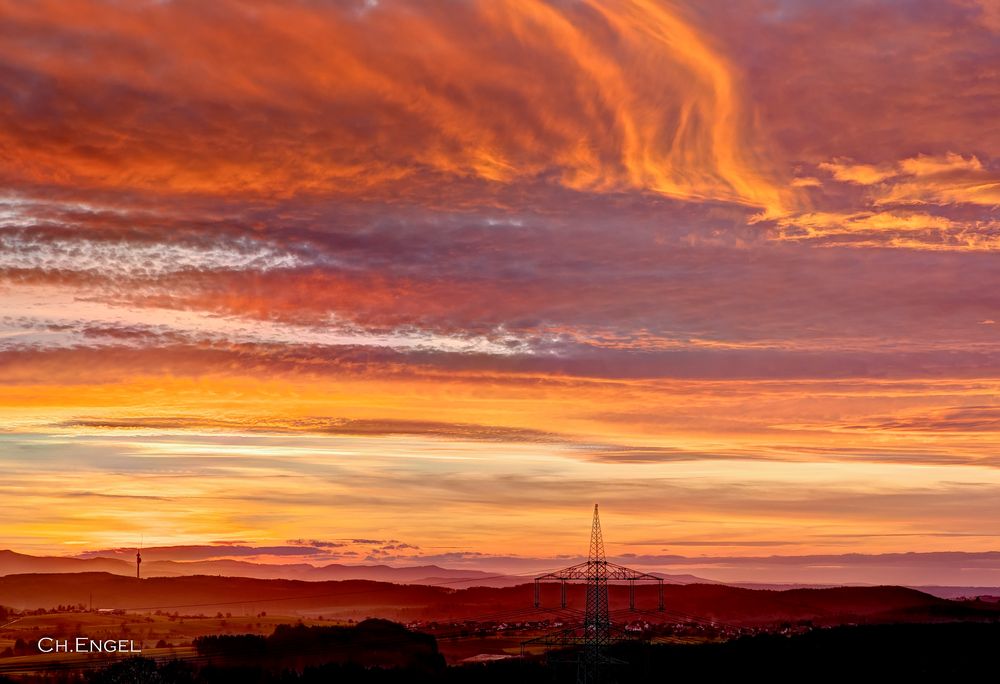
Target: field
{"points": [[175, 636], [173, 633]]}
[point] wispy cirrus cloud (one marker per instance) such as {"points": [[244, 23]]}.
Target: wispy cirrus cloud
{"points": [[386, 114], [948, 178], [927, 202]]}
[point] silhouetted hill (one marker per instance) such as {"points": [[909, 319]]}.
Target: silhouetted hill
{"points": [[828, 606], [360, 598], [370, 643], [956, 652], [948, 592], [210, 594], [12, 563]]}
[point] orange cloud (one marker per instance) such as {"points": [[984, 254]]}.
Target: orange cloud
{"points": [[945, 179], [379, 101], [903, 229], [937, 183], [925, 179], [860, 174]]}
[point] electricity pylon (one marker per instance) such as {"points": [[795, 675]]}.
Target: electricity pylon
{"points": [[592, 638]]}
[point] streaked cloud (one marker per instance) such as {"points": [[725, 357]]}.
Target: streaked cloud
{"points": [[859, 174], [948, 178]]}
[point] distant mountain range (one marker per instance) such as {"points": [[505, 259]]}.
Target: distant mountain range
{"points": [[12, 563]]}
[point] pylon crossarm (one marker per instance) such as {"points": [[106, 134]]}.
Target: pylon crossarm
{"points": [[613, 571], [573, 572]]}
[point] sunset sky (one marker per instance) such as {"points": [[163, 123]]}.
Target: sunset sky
{"points": [[409, 281]]}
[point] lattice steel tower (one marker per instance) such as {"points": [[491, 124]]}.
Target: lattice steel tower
{"points": [[593, 637]]}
